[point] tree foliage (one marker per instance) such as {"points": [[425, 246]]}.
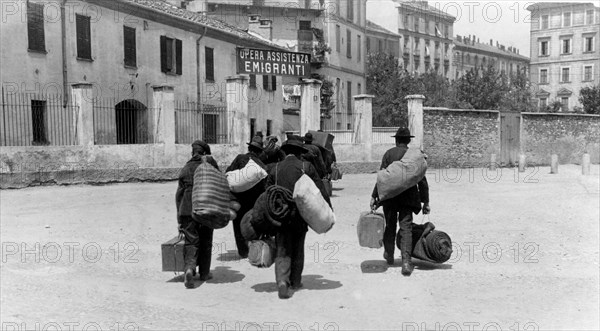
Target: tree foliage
{"points": [[590, 99]]}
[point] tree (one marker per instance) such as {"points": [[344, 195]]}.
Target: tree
{"points": [[482, 88], [590, 99], [518, 96], [385, 83]]}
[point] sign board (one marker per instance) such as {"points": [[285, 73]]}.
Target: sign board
{"points": [[269, 62]]}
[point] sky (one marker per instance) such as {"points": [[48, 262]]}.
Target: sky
{"points": [[506, 21]]}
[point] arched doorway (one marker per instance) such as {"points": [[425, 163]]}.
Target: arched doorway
{"points": [[131, 122]]}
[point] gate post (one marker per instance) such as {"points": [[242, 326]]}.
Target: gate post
{"points": [[163, 115], [415, 119], [238, 126], [363, 125], [310, 105], [84, 113]]}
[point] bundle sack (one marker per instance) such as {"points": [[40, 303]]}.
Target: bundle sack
{"points": [[401, 175], [261, 253], [244, 179], [312, 206], [434, 246], [210, 197]]}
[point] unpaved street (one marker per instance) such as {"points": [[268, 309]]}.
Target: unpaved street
{"points": [[525, 258]]}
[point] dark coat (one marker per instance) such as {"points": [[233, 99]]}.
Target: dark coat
{"points": [[315, 157], [250, 196], [183, 196], [414, 196]]}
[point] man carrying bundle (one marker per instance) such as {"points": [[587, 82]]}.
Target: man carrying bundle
{"points": [[401, 207], [197, 249], [314, 155], [289, 260], [247, 198]]}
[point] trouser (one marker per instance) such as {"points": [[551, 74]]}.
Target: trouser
{"points": [[397, 214], [289, 260], [197, 249], [240, 241]]}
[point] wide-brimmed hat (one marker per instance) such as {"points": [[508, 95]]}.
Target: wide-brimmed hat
{"points": [[403, 133], [256, 142], [308, 137], [292, 145]]}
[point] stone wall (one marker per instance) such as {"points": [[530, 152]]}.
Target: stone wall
{"points": [[567, 135], [460, 138]]}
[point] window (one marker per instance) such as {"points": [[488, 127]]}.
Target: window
{"points": [[368, 45], [565, 103], [171, 56], [305, 37], [252, 83], [350, 11], [359, 88], [349, 96], [588, 73], [566, 46], [544, 48], [84, 41], [35, 27], [543, 103], [446, 31], [38, 122], [269, 127], [348, 43], [406, 24], [416, 23], [130, 49], [564, 77], [426, 25], [307, 4], [273, 83], [545, 22], [588, 44], [379, 45], [269, 83], [209, 64], [566, 19], [358, 48], [338, 36], [589, 17], [265, 83], [543, 76]]}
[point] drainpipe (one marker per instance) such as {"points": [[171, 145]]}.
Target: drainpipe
{"points": [[198, 67], [63, 20]]}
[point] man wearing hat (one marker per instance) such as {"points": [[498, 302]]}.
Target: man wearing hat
{"points": [[289, 260], [314, 155], [400, 208], [272, 153], [197, 249], [247, 198]]}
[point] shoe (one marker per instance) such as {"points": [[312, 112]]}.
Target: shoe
{"points": [[243, 255], [206, 277], [407, 266], [296, 286], [283, 290], [428, 228], [388, 259], [189, 278]]}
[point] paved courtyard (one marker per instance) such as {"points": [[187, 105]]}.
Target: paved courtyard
{"points": [[525, 258]]}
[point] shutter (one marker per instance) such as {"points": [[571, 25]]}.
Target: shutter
{"points": [[274, 83], [83, 37], [35, 26], [130, 46], [265, 82], [31, 28], [79, 28], [209, 64], [179, 56], [252, 81], [348, 43], [163, 54]]}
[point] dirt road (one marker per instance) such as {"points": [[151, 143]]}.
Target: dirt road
{"points": [[525, 258]]}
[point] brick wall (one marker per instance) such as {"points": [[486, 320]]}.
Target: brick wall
{"points": [[460, 138], [567, 135]]}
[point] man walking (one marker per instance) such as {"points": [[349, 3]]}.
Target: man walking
{"points": [[289, 260], [401, 207], [314, 155]]}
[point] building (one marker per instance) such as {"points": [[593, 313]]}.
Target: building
{"points": [[332, 30], [123, 48], [426, 37], [565, 55], [469, 53], [381, 40]]}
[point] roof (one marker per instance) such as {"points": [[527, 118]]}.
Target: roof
{"points": [[489, 49], [423, 6], [545, 5], [378, 28], [201, 19]]}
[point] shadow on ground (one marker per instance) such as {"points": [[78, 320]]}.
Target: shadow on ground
{"points": [[310, 282], [221, 275], [380, 266], [229, 256]]}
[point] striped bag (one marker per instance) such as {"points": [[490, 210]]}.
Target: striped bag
{"points": [[210, 196]]}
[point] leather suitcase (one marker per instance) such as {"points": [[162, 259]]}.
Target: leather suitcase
{"points": [[322, 139], [262, 252], [172, 255], [370, 229]]}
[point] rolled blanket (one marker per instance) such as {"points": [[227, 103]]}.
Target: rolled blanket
{"points": [[247, 228], [435, 246], [280, 204]]}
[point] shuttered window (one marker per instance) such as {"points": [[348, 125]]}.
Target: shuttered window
{"points": [[35, 27], [348, 43], [209, 64], [171, 55], [129, 43], [349, 96], [273, 83], [84, 39], [265, 82], [252, 81]]}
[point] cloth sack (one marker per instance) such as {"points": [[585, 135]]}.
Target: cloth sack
{"points": [[244, 179], [210, 197], [312, 206], [261, 253], [401, 175]]}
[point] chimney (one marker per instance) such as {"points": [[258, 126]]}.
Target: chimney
{"points": [[491, 42], [198, 6], [478, 40], [261, 27]]}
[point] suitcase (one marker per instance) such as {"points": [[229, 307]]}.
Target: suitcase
{"points": [[261, 253], [172, 255], [370, 229], [322, 139]]}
